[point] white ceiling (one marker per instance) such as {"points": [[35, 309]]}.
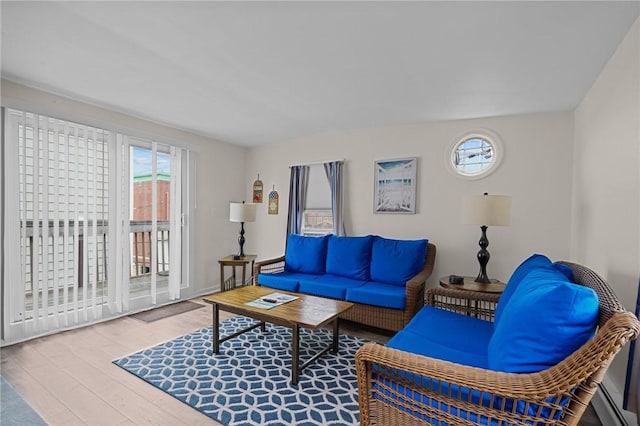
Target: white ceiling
{"points": [[252, 73]]}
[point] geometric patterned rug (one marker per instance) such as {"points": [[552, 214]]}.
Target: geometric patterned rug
{"points": [[249, 381]]}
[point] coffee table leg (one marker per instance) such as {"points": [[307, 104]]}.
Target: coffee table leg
{"points": [[216, 329], [295, 346], [336, 335]]}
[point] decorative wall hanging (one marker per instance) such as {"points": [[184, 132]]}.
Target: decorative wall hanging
{"points": [[395, 186], [257, 190], [273, 201]]}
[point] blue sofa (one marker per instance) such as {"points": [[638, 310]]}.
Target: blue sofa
{"points": [[529, 357], [384, 278]]}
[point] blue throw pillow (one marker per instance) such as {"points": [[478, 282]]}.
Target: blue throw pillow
{"points": [[532, 262], [306, 254], [546, 320], [397, 261], [349, 256]]}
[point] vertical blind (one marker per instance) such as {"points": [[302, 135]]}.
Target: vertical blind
{"points": [[63, 196], [67, 238]]}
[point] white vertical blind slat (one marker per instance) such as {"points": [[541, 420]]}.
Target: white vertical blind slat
{"points": [[85, 222], [66, 258], [92, 259], [22, 309], [114, 238], [56, 225], [45, 223], [124, 219], [35, 257], [175, 234], [153, 258], [76, 223]]}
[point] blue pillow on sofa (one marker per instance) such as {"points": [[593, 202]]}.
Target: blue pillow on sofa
{"points": [[306, 254], [532, 262], [397, 261], [349, 256], [546, 319]]}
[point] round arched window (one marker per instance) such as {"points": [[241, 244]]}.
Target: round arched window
{"points": [[475, 155]]}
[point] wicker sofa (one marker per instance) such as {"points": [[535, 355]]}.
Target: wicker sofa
{"points": [[384, 278], [404, 388]]}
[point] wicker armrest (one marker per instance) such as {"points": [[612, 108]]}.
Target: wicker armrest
{"points": [[389, 388], [401, 376], [415, 287], [479, 304], [267, 266]]}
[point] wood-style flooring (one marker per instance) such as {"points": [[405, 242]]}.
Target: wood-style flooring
{"points": [[69, 378]]}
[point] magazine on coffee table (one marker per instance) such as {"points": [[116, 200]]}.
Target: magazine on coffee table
{"points": [[271, 300]]}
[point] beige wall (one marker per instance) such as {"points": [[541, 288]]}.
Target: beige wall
{"points": [[218, 173], [606, 201], [536, 171]]}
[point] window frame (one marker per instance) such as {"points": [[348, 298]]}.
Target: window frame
{"points": [[484, 134]]}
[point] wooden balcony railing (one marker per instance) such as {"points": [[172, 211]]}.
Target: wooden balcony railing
{"points": [[72, 256]]}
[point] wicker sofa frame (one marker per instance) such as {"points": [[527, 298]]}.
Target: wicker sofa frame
{"points": [[374, 316], [576, 377]]}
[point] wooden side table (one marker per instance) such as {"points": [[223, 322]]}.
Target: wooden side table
{"points": [[230, 282], [475, 308], [470, 284]]}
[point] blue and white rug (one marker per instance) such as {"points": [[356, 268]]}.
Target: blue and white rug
{"points": [[249, 381]]}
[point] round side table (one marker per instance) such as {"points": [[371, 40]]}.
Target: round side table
{"points": [[470, 284]]}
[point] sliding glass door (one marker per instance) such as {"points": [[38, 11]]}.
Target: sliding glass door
{"points": [[93, 224], [155, 223]]}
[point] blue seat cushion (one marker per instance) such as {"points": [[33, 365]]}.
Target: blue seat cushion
{"points": [[329, 286], [283, 280], [420, 344], [534, 261], [306, 254], [462, 331], [378, 294], [397, 261], [546, 319], [349, 256]]}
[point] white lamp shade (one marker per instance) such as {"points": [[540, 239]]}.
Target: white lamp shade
{"points": [[242, 212], [488, 210]]}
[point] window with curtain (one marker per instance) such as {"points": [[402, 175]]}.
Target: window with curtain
{"points": [[317, 218]]}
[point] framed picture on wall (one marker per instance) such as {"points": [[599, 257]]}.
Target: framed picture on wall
{"points": [[395, 186]]}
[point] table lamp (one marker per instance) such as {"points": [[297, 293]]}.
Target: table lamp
{"points": [[486, 210], [241, 212]]}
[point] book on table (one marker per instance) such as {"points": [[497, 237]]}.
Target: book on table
{"points": [[271, 300]]}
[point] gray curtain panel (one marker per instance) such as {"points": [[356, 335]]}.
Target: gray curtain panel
{"points": [[334, 171], [298, 184]]}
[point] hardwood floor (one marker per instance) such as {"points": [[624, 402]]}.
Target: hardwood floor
{"points": [[69, 378]]}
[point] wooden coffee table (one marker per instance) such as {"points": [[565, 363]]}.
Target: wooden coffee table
{"points": [[306, 311]]}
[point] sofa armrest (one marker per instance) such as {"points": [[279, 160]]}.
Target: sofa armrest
{"points": [[267, 266], [478, 304], [415, 287]]}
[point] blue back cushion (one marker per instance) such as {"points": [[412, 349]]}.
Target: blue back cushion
{"points": [[306, 254], [528, 265], [397, 261], [546, 319], [349, 256]]}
